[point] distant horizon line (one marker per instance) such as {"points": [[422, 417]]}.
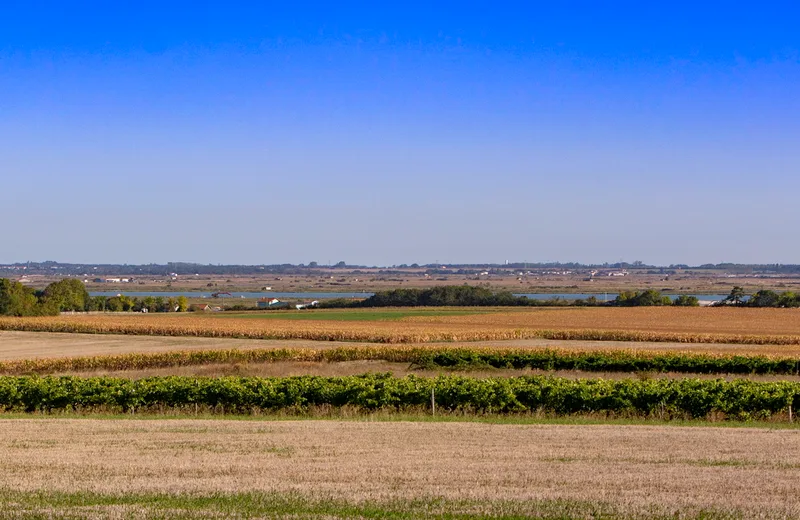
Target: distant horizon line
{"points": [[344, 265]]}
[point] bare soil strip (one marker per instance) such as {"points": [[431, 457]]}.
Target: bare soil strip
{"points": [[16, 345], [352, 368], [754, 472]]}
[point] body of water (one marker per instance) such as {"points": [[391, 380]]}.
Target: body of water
{"points": [[328, 295]]}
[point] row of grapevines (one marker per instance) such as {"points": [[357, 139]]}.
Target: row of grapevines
{"points": [[738, 399]]}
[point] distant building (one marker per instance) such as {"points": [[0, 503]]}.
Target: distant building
{"points": [[195, 307], [271, 303]]}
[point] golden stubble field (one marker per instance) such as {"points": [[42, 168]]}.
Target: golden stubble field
{"points": [[693, 325], [753, 472]]}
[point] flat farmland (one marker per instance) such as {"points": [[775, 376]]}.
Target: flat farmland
{"points": [[96, 468], [682, 325], [20, 345]]}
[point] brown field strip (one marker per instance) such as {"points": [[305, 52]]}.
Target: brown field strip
{"points": [[680, 325], [686, 320], [352, 368], [17, 346], [754, 473], [21, 345]]}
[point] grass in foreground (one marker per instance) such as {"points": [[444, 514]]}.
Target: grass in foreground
{"points": [[346, 469], [86, 505], [387, 416]]}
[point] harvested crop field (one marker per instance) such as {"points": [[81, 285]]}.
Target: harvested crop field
{"points": [[21, 345], [579, 471], [352, 368], [668, 324]]}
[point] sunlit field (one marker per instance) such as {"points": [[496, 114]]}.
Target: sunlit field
{"points": [[692, 325], [101, 468]]}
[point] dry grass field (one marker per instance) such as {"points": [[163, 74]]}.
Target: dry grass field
{"points": [[130, 468], [689, 325]]}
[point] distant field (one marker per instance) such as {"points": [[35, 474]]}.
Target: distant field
{"points": [[353, 314], [100, 468], [681, 325]]}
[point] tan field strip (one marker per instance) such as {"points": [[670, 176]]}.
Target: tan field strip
{"points": [[353, 368], [699, 320], [19, 345], [755, 472], [31, 345], [685, 325]]}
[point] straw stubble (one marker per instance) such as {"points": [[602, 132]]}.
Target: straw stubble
{"points": [[634, 468]]}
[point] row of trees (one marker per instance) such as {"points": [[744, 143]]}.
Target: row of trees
{"points": [[453, 295], [651, 297], [124, 303], [762, 298], [19, 300], [469, 296], [68, 295]]}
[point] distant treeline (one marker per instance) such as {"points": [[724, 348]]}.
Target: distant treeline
{"points": [[469, 296], [763, 298], [70, 295], [189, 268]]}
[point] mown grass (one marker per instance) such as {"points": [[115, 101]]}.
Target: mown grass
{"points": [[87, 505]]}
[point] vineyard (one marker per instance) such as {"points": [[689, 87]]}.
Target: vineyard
{"points": [[437, 342], [646, 398]]}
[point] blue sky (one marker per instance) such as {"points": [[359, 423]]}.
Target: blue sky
{"points": [[253, 132]]}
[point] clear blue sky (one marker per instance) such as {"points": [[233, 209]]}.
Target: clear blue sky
{"points": [[253, 132]]}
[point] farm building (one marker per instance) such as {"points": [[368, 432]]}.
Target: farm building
{"points": [[271, 303], [195, 307]]}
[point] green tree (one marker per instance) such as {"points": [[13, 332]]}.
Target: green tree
{"points": [[685, 300], [114, 304], [183, 304], [736, 295], [647, 298], [18, 300], [128, 303], [66, 295], [97, 303], [764, 298], [789, 299]]}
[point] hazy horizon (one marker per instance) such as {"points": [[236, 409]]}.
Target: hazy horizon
{"points": [[236, 133]]}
